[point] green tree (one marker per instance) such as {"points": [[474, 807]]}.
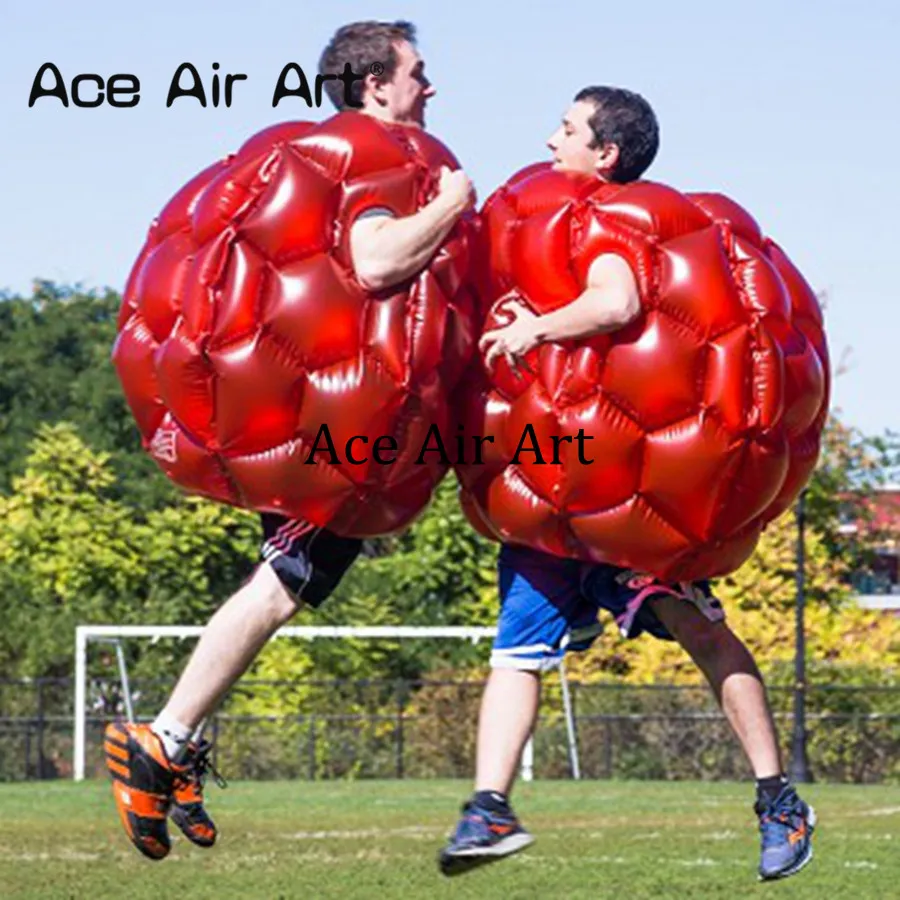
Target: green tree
{"points": [[55, 349], [67, 552], [72, 553]]}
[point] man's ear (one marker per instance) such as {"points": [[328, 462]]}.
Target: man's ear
{"points": [[374, 88], [607, 159]]}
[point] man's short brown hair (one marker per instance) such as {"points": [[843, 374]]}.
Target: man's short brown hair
{"points": [[627, 120], [361, 44]]}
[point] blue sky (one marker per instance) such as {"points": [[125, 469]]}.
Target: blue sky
{"points": [[788, 107]]}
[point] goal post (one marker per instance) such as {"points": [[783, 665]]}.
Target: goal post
{"points": [[114, 634]]}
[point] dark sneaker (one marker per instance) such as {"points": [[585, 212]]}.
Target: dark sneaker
{"points": [[786, 827], [188, 811], [144, 781], [482, 836]]}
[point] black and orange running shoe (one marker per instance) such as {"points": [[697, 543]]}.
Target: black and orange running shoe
{"points": [[188, 811], [144, 781]]}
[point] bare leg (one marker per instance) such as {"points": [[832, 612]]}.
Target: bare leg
{"points": [[229, 643], [733, 676], [508, 712]]}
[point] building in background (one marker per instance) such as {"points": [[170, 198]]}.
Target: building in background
{"points": [[878, 586]]}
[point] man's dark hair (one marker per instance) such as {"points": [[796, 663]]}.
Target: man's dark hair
{"points": [[627, 120], [361, 44]]}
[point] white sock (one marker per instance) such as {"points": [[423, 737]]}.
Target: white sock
{"points": [[173, 734]]}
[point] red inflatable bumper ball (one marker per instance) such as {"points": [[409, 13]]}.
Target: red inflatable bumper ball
{"points": [[699, 422], [244, 330]]}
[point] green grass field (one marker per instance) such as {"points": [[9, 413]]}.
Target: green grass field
{"points": [[380, 840]]}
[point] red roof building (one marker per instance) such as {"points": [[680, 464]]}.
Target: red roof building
{"points": [[879, 586]]}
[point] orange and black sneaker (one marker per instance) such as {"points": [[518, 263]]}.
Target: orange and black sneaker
{"points": [[144, 781], [188, 811]]}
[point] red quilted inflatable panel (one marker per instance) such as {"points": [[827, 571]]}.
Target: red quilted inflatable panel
{"points": [[701, 420], [244, 330]]}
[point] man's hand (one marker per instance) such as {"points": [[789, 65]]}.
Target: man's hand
{"points": [[512, 341], [455, 189]]}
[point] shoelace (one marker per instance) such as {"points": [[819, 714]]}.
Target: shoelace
{"points": [[773, 819], [197, 767], [201, 764], [482, 817]]}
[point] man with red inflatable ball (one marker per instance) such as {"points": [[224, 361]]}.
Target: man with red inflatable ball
{"points": [[157, 769], [550, 604]]}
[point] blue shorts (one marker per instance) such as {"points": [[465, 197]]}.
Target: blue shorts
{"points": [[550, 606]]}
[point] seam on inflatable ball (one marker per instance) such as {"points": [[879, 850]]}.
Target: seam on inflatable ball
{"points": [[229, 479], [314, 164], [255, 190], [227, 237], [635, 235], [266, 279], [411, 304], [754, 317], [682, 531], [307, 251], [520, 474], [239, 338], [293, 358], [606, 396], [731, 481], [260, 251]]}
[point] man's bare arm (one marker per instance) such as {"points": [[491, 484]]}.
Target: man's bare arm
{"points": [[386, 251], [610, 301]]}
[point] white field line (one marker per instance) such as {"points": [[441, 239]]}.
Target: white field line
{"points": [[529, 858], [61, 855], [414, 831]]}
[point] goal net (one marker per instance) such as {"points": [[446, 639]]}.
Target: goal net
{"points": [[114, 635]]}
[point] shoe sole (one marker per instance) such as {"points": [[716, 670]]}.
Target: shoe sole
{"points": [[804, 861], [474, 857]]}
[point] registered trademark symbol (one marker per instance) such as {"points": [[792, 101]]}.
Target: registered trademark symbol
{"points": [[377, 69]]}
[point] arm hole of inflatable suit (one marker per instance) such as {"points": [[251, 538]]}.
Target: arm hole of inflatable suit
{"points": [[372, 214], [597, 276], [598, 280]]}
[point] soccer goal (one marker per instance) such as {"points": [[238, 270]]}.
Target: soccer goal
{"points": [[114, 635]]}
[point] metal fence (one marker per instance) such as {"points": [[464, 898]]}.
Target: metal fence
{"points": [[423, 729]]}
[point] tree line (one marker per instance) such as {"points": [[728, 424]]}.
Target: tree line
{"points": [[92, 532]]}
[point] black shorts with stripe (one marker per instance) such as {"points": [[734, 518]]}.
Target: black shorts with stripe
{"points": [[309, 560]]}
